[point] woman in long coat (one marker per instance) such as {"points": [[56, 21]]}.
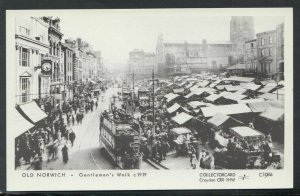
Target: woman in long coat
{"points": [[65, 154]]}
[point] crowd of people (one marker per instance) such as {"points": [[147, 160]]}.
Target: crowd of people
{"points": [[52, 133]]}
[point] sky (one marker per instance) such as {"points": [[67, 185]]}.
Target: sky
{"points": [[116, 32]]}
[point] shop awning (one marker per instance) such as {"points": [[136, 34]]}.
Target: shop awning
{"points": [[33, 111], [225, 109], [274, 114], [173, 108], [181, 130], [182, 118], [20, 124], [244, 132], [218, 119]]}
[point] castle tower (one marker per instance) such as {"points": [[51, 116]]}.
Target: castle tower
{"points": [[241, 29]]}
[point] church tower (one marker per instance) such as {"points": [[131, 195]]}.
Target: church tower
{"points": [[241, 29]]}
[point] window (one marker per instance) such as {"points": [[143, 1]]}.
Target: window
{"points": [[24, 57], [24, 31], [262, 41], [262, 52], [251, 45], [24, 88], [270, 39], [270, 51]]}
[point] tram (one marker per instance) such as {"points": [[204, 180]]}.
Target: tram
{"points": [[119, 135], [144, 98]]}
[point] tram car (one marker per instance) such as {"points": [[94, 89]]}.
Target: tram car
{"points": [[144, 98], [119, 135]]}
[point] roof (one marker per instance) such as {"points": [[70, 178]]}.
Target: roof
{"points": [[181, 130], [239, 79], [182, 118], [237, 66], [20, 124], [218, 119], [273, 113], [244, 132], [33, 111], [258, 106], [173, 108], [225, 109]]}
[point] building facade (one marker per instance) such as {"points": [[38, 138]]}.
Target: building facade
{"points": [[250, 56], [68, 73], [266, 56], [57, 76], [141, 64], [31, 41]]}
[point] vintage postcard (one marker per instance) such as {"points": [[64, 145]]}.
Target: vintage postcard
{"points": [[139, 99]]}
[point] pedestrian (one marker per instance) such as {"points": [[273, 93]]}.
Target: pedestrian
{"points": [[194, 161], [36, 163], [202, 154], [207, 161], [72, 137], [65, 154], [73, 120], [68, 120], [165, 149], [96, 104]]}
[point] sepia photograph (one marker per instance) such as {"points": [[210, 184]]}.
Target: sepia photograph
{"points": [[149, 92]]}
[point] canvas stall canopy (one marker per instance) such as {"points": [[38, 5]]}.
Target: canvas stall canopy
{"points": [[268, 88], [21, 125], [33, 111], [204, 83], [173, 108], [252, 86], [213, 97], [273, 113], [182, 118], [251, 100], [257, 107], [196, 104], [246, 133], [240, 79], [172, 97], [218, 119], [231, 88], [233, 96], [189, 85], [271, 96], [181, 130], [178, 90], [215, 83], [225, 109]]}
